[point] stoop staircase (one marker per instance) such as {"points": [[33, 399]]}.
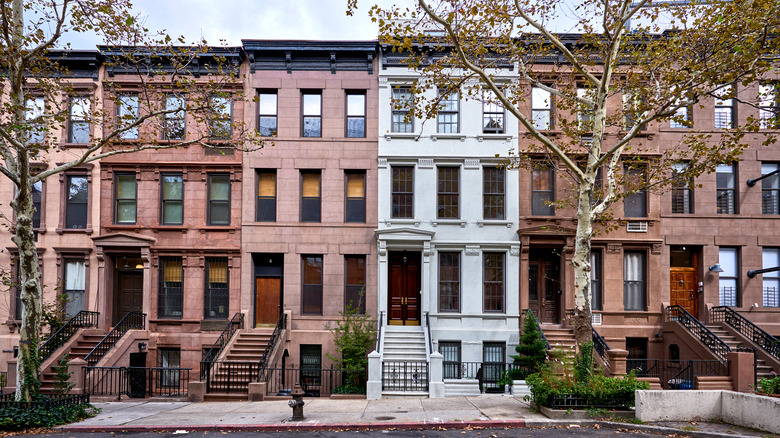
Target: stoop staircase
{"points": [[762, 369], [233, 370], [561, 340], [404, 359], [86, 342]]}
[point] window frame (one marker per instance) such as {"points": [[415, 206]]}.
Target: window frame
{"points": [[168, 293], [397, 196], [35, 109], [352, 289], [79, 119], [218, 116], [354, 206], [681, 191], [547, 108], [215, 204], [638, 198], [212, 294], [725, 104], [488, 194], [263, 202], [312, 117], [166, 356], [69, 223], [492, 111], [596, 279], [261, 115], [448, 108], [39, 223], [770, 258], [65, 260], [770, 189], [399, 95], [311, 290], [178, 116], [769, 101], [728, 276], [728, 190], [453, 294], [538, 194], [125, 117], [164, 201], [447, 200], [348, 117], [641, 281], [451, 368], [486, 282], [308, 203], [118, 201]]}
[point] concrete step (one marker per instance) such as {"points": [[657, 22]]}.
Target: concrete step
{"points": [[226, 397], [402, 394]]}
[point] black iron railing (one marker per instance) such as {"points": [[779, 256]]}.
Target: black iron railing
{"points": [[491, 375], [131, 321], [81, 320], [136, 382], [574, 401], [379, 334], [235, 323], [677, 374], [746, 328], [429, 346], [316, 382], [697, 329], [280, 325], [530, 314], [48, 401], [229, 376], [601, 347], [3, 381], [405, 376]]}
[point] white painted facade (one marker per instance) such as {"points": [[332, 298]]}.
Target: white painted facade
{"points": [[470, 235]]}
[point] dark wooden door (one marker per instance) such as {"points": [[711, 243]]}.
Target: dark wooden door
{"points": [[268, 300], [129, 293], [404, 288], [544, 286], [683, 289]]}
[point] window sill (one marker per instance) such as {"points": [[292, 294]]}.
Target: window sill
{"points": [[74, 145], [391, 222], [494, 222], [173, 320], [74, 230], [217, 228], [502, 137], [461, 137], [438, 222], [159, 228], [401, 136]]}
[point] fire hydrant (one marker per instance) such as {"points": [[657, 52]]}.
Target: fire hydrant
{"points": [[297, 402]]}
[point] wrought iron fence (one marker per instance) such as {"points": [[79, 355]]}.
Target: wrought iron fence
{"points": [[229, 376], [491, 375], [132, 320], [746, 328], [49, 401], [573, 401], [3, 381], [601, 347], [316, 382], [82, 319], [677, 374], [696, 328], [405, 376], [235, 323], [280, 325], [136, 382]]}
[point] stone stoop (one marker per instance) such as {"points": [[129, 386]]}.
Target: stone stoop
{"points": [[249, 346]]}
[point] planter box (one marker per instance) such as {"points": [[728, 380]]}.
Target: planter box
{"points": [[572, 401]]}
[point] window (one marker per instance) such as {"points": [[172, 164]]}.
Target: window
{"points": [[78, 123], [771, 259], [312, 113], [447, 192], [74, 286], [542, 192], [356, 114], [450, 352], [216, 294], [127, 113], [770, 189], [355, 196], [266, 195], [76, 204], [493, 190], [492, 114], [724, 108], [172, 199], [311, 366], [449, 282], [634, 289], [312, 285], [37, 198], [728, 284], [682, 116], [266, 113], [125, 198], [174, 119], [220, 117], [682, 194], [585, 112], [354, 292], [310, 196], [596, 291], [447, 119], [632, 110], [493, 281], [635, 201], [34, 112], [219, 200], [769, 98], [17, 286], [401, 105], [725, 181], [403, 192], [169, 358], [541, 108], [171, 293]]}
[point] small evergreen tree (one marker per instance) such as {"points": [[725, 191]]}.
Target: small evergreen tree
{"points": [[354, 336], [532, 348], [62, 383]]}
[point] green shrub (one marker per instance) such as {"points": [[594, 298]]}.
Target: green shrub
{"points": [[62, 373], [350, 389], [769, 386], [583, 365], [532, 350], [354, 336], [15, 416], [545, 385]]}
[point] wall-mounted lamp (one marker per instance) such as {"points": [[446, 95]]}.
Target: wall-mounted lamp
{"points": [[142, 346], [716, 268]]}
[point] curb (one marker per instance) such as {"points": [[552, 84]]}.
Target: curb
{"points": [[667, 430]]}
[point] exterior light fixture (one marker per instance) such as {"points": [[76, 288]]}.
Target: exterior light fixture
{"points": [[716, 268]]}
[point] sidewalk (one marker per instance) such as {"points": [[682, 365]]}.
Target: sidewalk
{"points": [[327, 414]]}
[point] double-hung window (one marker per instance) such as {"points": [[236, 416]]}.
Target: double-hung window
{"points": [[78, 123], [401, 107], [220, 117], [216, 294], [170, 300], [449, 282], [77, 199], [541, 108], [770, 189], [584, 112], [266, 195], [769, 107], [34, 111], [174, 123], [448, 193], [266, 113], [682, 116], [493, 191], [402, 192], [634, 286], [312, 113], [725, 180], [728, 280], [127, 113], [724, 108], [169, 361], [172, 199], [682, 194], [74, 286], [356, 114], [493, 114], [635, 202], [219, 199], [354, 291], [447, 119], [493, 281], [771, 280], [311, 198], [355, 202], [37, 198], [632, 110], [596, 290], [312, 285], [542, 192], [125, 198]]}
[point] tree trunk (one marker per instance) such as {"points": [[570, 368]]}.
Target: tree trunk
{"points": [[581, 262]]}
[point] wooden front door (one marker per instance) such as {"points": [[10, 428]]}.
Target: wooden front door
{"points": [[683, 289], [129, 293], [544, 286], [404, 288], [268, 300]]}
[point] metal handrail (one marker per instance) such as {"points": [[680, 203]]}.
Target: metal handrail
{"points": [[696, 328], [747, 328], [227, 333], [82, 319], [379, 335], [601, 347], [280, 325], [530, 313], [429, 344], [132, 320]]}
